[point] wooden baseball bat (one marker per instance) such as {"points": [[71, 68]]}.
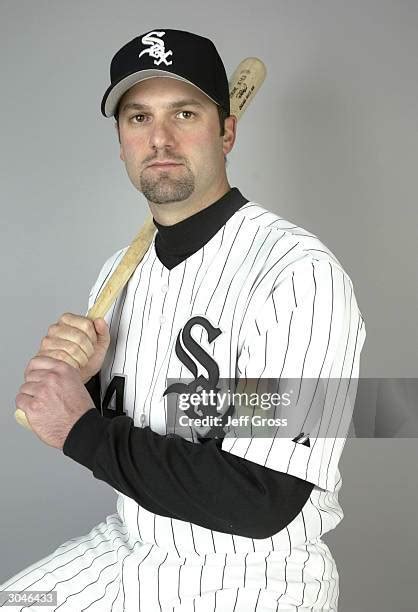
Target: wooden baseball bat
{"points": [[243, 86]]}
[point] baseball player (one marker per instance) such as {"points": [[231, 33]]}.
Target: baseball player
{"points": [[211, 514]]}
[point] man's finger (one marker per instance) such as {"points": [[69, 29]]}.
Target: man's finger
{"points": [[66, 351], [31, 388], [57, 356], [72, 334], [42, 362], [82, 323], [23, 401], [35, 375]]}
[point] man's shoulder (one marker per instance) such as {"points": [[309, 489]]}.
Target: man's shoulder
{"points": [[112, 261], [281, 237], [106, 270]]}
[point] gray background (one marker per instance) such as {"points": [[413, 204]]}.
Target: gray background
{"points": [[330, 143]]}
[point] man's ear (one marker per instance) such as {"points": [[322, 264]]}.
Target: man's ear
{"points": [[120, 149], [228, 139]]}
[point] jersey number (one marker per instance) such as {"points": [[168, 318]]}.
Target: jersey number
{"points": [[115, 389]]}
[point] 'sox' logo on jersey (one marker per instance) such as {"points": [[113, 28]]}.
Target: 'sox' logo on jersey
{"points": [[157, 48], [200, 356]]}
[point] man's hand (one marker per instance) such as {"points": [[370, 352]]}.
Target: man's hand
{"points": [[53, 397], [79, 342]]}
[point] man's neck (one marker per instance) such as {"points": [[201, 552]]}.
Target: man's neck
{"points": [[175, 243], [171, 213]]}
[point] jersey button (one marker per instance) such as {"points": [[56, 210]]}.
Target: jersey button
{"points": [[164, 288], [162, 320]]}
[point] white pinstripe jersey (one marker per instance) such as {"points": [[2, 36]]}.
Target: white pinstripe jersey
{"points": [[285, 308]]}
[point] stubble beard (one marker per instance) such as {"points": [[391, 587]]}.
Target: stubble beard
{"points": [[163, 187]]}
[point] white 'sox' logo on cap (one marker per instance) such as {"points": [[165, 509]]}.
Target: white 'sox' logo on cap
{"points": [[157, 48]]}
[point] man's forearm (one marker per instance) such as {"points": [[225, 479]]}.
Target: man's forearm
{"points": [[197, 483]]}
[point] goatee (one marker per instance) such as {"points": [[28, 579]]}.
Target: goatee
{"points": [[165, 188]]}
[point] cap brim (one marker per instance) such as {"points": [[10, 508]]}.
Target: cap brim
{"points": [[115, 92]]}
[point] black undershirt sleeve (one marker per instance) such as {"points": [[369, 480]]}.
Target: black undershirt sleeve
{"points": [[197, 483]]}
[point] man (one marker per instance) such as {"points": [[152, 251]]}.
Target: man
{"points": [[209, 516]]}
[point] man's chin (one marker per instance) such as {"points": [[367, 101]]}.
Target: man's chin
{"points": [[163, 193]]}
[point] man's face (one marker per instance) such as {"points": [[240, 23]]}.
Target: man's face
{"points": [[165, 120]]}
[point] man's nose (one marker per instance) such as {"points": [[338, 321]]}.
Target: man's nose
{"points": [[161, 134]]}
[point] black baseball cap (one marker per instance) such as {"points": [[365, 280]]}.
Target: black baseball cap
{"points": [[170, 53]]}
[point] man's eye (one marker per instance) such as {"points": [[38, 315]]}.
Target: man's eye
{"points": [[135, 117], [185, 112]]}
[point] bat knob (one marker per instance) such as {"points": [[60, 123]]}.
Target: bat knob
{"points": [[20, 417]]}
